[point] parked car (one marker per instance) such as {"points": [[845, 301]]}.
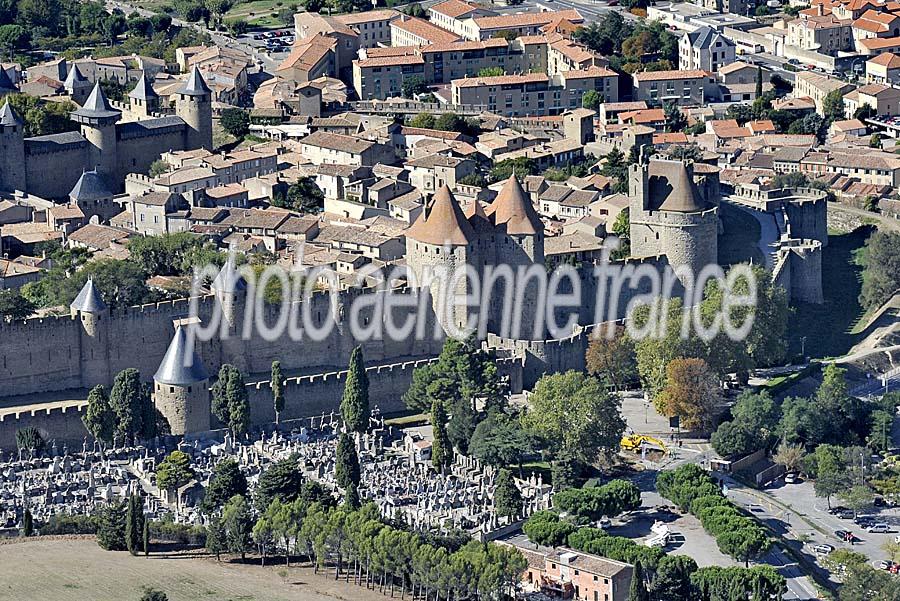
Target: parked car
{"points": [[791, 478], [846, 515], [883, 565], [897, 539], [879, 502], [837, 509], [879, 528], [822, 549]]}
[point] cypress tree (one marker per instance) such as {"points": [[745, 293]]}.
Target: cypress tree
{"points": [[99, 419], [238, 404], [27, 523], [134, 524], [351, 498], [441, 450], [346, 466], [759, 86], [638, 590], [219, 396], [277, 384], [355, 400], [507, 498], [146, 537]]}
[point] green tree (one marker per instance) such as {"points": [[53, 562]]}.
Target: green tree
{"points": [[574, 418], [236, 122], [616, 167], [304, 197], [441, 449], [174, 472], [13, 39], [790, 456], [130, 401], [612, 358], [158, 167], [491, 72], [134, 523], [423, 120], [15, 306], [99, 418], [675, 119], [152, 594], [857, 497], [145, 537], [833, 105], [545, 528], [226, 481], [412, 86], [216, 538], [238, 404], [829, 469], [692, 392], [881, 276], [355, 400], [27, 523], [863, 583], [638, 590], [500, 441], [276, 382], [879, 439], [875, 141], [29, 439], [507, 498], [283, 480], [759, 82], [591, 100], [238, 525], [521, 166], [110, 522], [346, 463], [672, 580]]}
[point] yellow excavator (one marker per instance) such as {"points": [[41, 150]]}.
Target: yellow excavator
{"points": [[634, 442]]}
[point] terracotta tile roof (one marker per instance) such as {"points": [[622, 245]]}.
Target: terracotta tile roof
{"points": [[391, 61], [514, 209], [670, 138], [444, 223], [453, 8], [848, 124], [590, 72], [500, 80], [875, 89], [332, 141], [425, 30], [666, 75], [878, 43], [644, 116], [462, 45], [384, 14], [886, 59], [528, 19], [390, 51], [308, 53]]}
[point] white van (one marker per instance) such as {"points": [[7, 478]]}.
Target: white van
{"points": [[878, 528]]}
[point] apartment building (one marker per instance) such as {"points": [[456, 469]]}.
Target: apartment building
{"points": [[324, 147], [482, 28], [876, 46], [705, 49], [431, 173], [874, 24], [884, 99], [373, 27], [412, 31], [878, 168], [450, 14], [822, 33], [685, 88], [536, 94], [310, 59], [884, 68], [817, 87], [582, 576]]}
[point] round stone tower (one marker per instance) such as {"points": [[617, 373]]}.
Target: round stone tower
{"points": [[143, 98], [181, 387], [93, 316], [12, 150], [98, 125], [193, 103], [438, 245]]}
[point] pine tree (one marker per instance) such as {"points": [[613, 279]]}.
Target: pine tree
{"points": [[99, 419], [638, 590], [277, 384], [507, 498], [441, 450], [27, 523], [216, 542], [355, 401], [346, 466]]}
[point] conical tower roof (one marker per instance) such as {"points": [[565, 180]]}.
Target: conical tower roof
{"points": [[8, 117], [143, 90], [513, 208], [5, 82], [683, 196], [445, 223], [475, 210], [88, 300], [96, 106], [195, 84], [74, 78], [179, 367], [229, 280]]}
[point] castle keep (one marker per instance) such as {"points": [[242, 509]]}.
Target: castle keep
{"points": [[113, 148]]}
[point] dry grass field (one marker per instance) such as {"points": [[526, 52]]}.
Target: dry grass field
{"points": [[76, 569]]}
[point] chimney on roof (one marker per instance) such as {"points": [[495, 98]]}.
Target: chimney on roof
{"points": [[820, 9]]}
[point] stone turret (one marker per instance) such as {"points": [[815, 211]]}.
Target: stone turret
{"points": [[181, 387], [143, 98], [231, 293], [76, 85], [98, 125], [193, 103], [93, 315], [93, 196], [12, 150]]}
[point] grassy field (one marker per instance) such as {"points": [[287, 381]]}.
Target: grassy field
{"points": [[829, 328], [259, 13], [79, 570], [739, 242]]}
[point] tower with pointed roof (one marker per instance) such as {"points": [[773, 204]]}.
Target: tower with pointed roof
{"points": [[671, 215], [143, 99], [193, 103], [181, 386], [507, 233], [76, 85], [93, 318], [98, 126], [12, 150]]}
